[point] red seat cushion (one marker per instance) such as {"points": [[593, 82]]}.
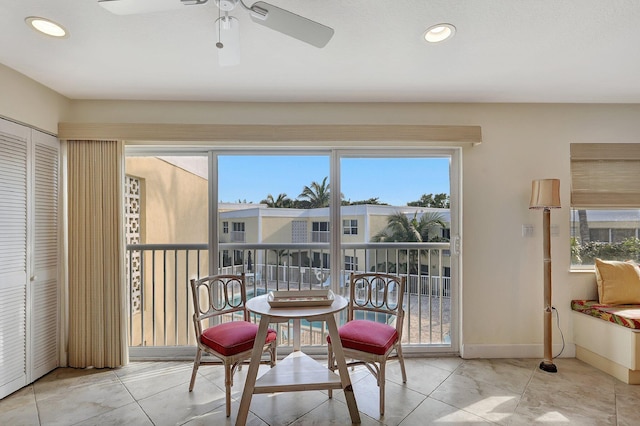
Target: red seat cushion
{"points": [[231, 338], [367, 336]]}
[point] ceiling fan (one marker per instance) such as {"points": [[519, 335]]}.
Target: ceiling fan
{"points": [[228, 27]]}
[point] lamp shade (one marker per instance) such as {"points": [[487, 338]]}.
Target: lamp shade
{"points": [[545, 194]]}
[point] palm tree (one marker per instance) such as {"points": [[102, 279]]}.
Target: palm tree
{"points": [[402, 229], [281, 202], [585, 236], [316, 195]]}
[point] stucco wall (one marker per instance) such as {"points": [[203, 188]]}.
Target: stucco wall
{"points": [[178, 194]]}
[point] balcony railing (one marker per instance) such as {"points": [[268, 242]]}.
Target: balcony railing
{"points": [[237, 236], [161, 308]]}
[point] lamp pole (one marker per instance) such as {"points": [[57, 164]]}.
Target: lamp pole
{"points": [[547, 364]]}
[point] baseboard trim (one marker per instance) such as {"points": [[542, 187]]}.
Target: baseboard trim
{"points": [[612, 368], [470, 351]]}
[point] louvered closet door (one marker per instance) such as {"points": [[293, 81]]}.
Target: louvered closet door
{"points": [[13, 256], [42, 351]]}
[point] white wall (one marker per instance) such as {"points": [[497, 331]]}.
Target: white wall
{"points": [[502, 275], [502, 269], [26, 101]]}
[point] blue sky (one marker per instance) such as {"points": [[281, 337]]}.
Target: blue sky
{"points": [[395, 181]]}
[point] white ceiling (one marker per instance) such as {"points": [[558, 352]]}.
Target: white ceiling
{"points": [[503, 51]]}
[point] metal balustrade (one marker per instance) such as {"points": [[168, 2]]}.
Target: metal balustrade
{"points": [[158, 277]]}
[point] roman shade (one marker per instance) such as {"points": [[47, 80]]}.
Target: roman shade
{"points": [[605, 175]]}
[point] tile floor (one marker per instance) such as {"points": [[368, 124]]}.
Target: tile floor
{"points": [[447, 391]]}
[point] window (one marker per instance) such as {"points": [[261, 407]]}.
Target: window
{"points": [[606, 234], [350, 227], [599, 234], [321, 260], [605, 202], [612, 235], [619, 235], [226, 259], [320, 232], [225, 227], [350, 263], [238, 258], [237, 234]]}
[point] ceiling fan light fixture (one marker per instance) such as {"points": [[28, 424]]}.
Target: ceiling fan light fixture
{"points": [[46, 26], [439, 33], [227, 5], [228, 30]]}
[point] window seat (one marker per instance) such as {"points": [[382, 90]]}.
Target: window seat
{"points": [[608, 338]]}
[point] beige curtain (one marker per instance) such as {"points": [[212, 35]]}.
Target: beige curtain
{"points": [[97, 296]]}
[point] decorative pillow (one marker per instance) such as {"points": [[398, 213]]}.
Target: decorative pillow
{"points": [[618, 282]]}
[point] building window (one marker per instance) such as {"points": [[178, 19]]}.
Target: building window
{"points": [[321, 260], [225, 227], [605, 202], [320, 232], [599, 234], [621, 234], [238, 258], [350, 227], [237, 233], [226, 259], [350, 263]]}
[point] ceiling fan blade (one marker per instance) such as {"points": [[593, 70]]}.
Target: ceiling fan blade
{"points": [[130, 7], [228, 31], [293, 25]]}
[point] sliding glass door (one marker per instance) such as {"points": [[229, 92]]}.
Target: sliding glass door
{"points": [[292, 220], [396, 217]]}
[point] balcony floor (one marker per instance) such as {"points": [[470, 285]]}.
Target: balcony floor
{"points": [[439, 390]]}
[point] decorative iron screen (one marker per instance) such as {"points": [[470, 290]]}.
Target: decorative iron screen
{"points": [[133, 225]]}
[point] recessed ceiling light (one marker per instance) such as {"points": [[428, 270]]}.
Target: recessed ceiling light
{"points": [[46, 26], [439, 32]]}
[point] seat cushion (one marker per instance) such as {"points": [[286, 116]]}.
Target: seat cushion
{"points": [[624, 315], [367, 336], [231, 338]]}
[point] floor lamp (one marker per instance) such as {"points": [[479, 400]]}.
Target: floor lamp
{"points": [[545, 195]]}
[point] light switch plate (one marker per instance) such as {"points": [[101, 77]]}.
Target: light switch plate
{"points": [[527, 230]]}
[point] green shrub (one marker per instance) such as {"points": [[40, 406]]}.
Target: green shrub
{"points": [[584, 254]]}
